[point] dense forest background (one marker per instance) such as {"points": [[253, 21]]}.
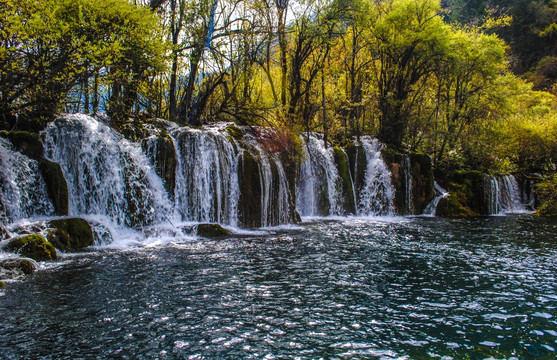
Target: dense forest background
{"points": [[472, 83]]}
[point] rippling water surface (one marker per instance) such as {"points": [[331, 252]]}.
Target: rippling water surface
{"points": [[410, 288]]}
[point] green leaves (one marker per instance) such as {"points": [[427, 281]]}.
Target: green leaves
{"points": [[49, 46]]}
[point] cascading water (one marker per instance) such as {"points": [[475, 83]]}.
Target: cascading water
{"points": [[275, 195], [22, 189], [207, 176], [107, 175], [319, 186], [376, 196], [440, 193], [503, 195]]}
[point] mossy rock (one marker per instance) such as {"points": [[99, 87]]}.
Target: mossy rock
{"points": [[27, 143], [234, 131], [451, 206], [70, 234], [347, 186], [211, 230], [249, 204], [18, 266], [2, 284], [32, 246], [56, 186]]}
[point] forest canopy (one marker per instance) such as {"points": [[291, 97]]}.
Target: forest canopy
{"points": [[459, 82]]}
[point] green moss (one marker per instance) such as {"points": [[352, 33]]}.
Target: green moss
{"points": [[467, 195], [27, 143], [211, 230], [235, 132], [546, 193], [2, 284], [20, 266], [56, 185], [33, 246], [347, 186], [451, 206], [70, 234]]}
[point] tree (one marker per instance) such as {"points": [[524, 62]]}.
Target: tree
{"points": [[49, 47], [408, 40]]}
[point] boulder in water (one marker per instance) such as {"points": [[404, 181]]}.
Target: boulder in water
{"points": [[211, 230], [15, 267], [32, 246], [70, 234]]}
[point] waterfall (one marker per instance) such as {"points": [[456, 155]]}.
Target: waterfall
{"points": [[440, 193], [377, 194], [22, 188], [275, 195], [107, 175], [319, 186], [206, 176], [503, 195]]}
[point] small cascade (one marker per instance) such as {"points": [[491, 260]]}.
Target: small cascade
{"points": [[23, 191], [206, 176], [440, 193], [107, 175], [319, 186], [503, 195], [275, 197], [376, 195]]}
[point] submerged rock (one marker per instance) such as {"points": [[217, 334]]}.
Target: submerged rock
{"points": [[33, 246], [70, 234], [211, 230], [15, 267]]}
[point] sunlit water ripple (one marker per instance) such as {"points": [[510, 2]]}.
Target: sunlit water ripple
{"points": [[410, 288]]}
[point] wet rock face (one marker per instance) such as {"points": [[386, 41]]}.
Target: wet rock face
{"points": [[162, 153], [422, 181], [347, 186], [70, 234], [413, 179], [30, 145], [32, 246], [249, 204], [56, 186], [467, 195]]}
